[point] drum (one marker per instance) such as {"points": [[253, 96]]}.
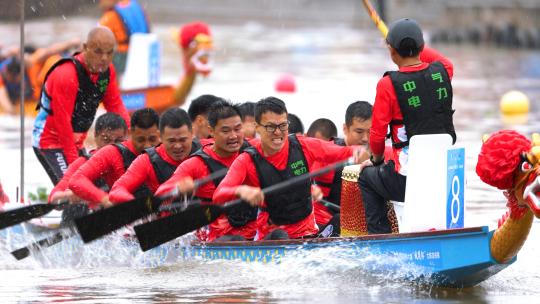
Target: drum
{"points": [[353, 215]]}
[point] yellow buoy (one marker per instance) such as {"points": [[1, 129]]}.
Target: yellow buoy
{"points": [[514, 103]]}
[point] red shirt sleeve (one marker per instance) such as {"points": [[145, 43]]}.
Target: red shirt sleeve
{"points": [[242, 171], [383, 111], [112, 100], [64, 182], [62, 86], [99, 165], [136, 175], [430, 55], [325, 152]]}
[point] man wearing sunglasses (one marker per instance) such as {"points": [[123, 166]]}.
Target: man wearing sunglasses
{"points": [[276, 158]]}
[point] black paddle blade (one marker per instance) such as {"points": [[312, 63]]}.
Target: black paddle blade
{"points": [[20, 215], [100, 223], [161, 231], [24, 252]]}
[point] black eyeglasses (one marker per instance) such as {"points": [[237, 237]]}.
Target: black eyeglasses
{"points": [[271, 128]]}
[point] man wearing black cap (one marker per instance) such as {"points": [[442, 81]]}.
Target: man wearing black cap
{"points": [[416, 99]]}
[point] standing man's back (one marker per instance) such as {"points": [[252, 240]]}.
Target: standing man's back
{"points": [[415, 100]]}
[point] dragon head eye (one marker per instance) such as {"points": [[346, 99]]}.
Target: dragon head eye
{"points": [[526, 166]]}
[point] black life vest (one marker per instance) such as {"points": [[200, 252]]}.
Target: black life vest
{"points": [[286, 206], [127, 158], [334, 195], [425, 100], [237, 216], [339, 141], [195, 145], [245, 145], [213, 166], [162, 168], [89, 95]]}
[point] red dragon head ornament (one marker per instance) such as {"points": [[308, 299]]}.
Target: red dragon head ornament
{"points": [[196, 42], [509, 161]]}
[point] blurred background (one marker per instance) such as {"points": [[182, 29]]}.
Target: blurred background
{"points": [[504, 23]]}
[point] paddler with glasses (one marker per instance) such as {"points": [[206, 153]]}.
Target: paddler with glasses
{"points": [[276, 158]]}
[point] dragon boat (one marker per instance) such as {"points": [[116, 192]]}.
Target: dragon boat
{"points": [[445, 254], [440, 253]]}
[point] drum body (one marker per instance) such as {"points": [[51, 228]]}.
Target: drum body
{"points": [[353, 215]]}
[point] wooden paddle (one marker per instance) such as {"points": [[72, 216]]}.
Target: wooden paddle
{"points": [[23, 214], [196, 216], [100, 223], [59, 236]]}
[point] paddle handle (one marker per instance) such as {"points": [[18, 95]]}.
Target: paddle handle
{"points": [[197, 183], [59, 205], [179, 206], [303, 177], [379, 23], [333, 207]]}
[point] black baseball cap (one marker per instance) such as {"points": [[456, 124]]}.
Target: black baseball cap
{"points": [[404, 28]]}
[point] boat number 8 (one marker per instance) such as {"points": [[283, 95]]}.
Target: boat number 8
{"points": [[455, 200]]}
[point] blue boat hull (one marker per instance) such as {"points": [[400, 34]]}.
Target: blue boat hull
{"points": [[449, 258]]}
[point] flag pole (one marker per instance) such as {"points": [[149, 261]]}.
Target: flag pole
{"points": [[23, 72]]}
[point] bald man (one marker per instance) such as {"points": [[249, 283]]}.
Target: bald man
{"points": [[72, 91]]}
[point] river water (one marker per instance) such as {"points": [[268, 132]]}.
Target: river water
{"points": [[333, 66]]}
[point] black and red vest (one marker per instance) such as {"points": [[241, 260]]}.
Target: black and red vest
{"points": [[239, 215], [162, 168], [127, 158], [89, 95], [291, 204], [425, 101], [334, 195]]}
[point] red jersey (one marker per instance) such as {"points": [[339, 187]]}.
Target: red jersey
{"points": [[196, 168], [55, 131], [139, 173], [243, 172], [108, 164], [386, 107]]}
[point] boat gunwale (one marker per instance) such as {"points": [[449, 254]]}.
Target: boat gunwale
{"points": [[371, 237]]}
